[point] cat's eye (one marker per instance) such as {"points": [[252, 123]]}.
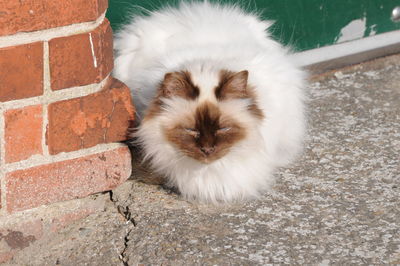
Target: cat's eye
{"points": [[223, 130], [193, 132]]}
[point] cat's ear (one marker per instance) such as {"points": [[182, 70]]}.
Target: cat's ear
{"points": [[178, 84], [232, 85], [238, 81], [172, 84]]}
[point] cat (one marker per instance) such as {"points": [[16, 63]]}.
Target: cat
{"points": [[220, 103]]}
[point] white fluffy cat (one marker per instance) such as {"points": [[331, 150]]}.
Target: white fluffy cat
{"points": [[220, 102]]}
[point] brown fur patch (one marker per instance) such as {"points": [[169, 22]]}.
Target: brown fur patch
{"points": [[153, 110], [232, 85], [179, 84], [235, 86], [175, 84], [206, 137]]}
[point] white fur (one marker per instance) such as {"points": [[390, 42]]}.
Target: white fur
{"points": [[204, 38]]}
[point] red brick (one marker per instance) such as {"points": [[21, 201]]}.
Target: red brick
{"points": [[32, 15], [102, 6], [23, 133], [21, 71], [66, 180], [81, 59], [87, 121]]}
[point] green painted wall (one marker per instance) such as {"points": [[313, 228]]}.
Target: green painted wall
{"points": [[304, 24]]}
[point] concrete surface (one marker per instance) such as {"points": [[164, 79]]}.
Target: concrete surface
{"points": [[337, 205]]}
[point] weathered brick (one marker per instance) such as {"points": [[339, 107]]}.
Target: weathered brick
{"points": [[6, 256], [66, 180], [23, 133], [18, 236], [87, 121], [21, 71], [81, 59], [32, 15]]}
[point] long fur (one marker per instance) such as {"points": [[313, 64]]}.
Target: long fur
{"points": [[205, 38]]}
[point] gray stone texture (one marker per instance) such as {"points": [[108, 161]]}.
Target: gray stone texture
{"points": [[337, 205]]}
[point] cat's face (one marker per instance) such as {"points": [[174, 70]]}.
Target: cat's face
{"points": [[207, 135], [205, 128]]}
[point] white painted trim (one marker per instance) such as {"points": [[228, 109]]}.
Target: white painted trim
{"points": [[368, 47], [46, 93], [92, 49]]}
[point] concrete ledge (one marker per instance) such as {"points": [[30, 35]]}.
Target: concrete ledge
{"points": [[339, 55]]}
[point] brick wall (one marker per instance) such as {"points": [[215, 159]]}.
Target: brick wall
{"points": [[61, 113]]}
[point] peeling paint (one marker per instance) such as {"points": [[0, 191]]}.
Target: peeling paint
{"points": [[78, 123], [352, 31], [93, 53], [373, 30]]}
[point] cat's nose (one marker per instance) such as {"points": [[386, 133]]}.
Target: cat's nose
{"points": [[207, 150]]}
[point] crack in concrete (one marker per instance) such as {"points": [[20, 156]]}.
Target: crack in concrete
{"points": [[127, 215], [122, 256]]}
